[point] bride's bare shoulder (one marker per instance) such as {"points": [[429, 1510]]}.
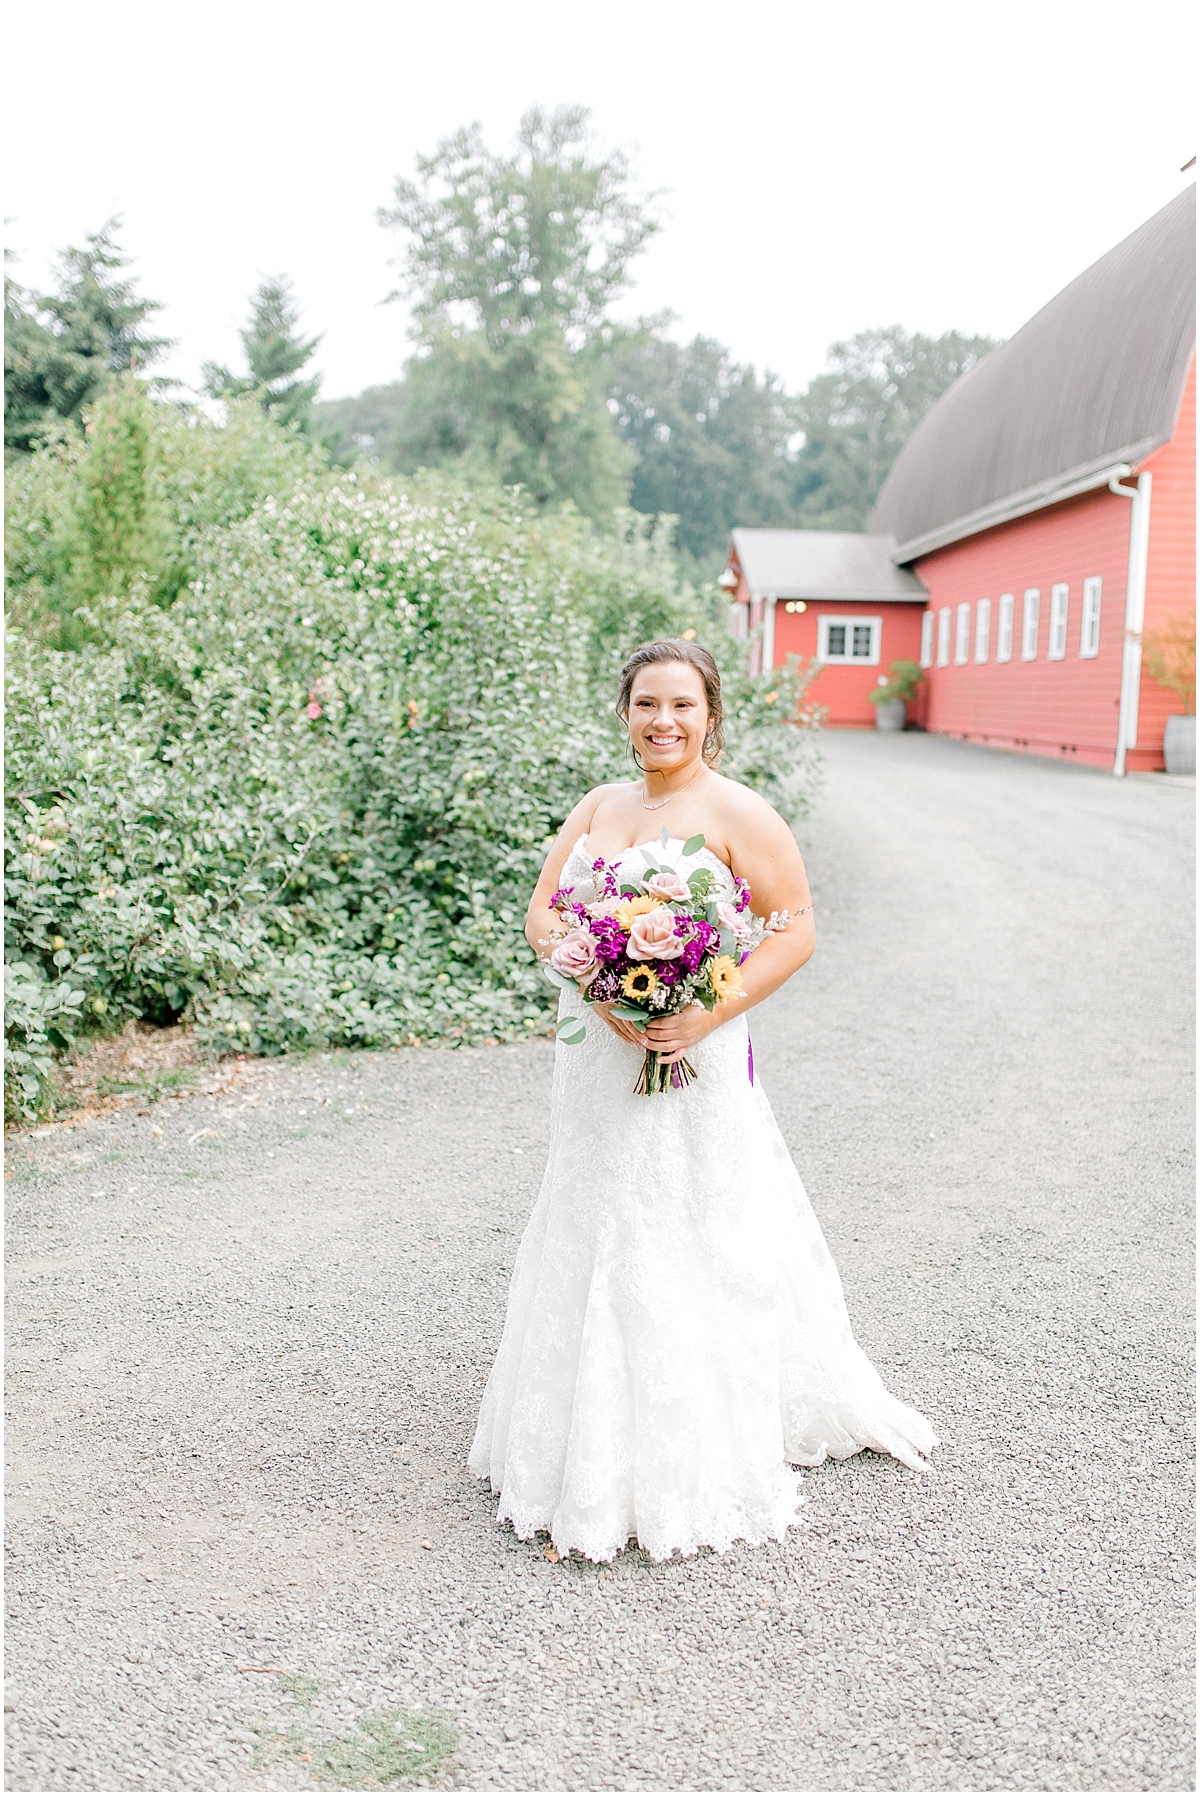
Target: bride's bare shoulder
{"points": [[742, 810], [583, 817]]}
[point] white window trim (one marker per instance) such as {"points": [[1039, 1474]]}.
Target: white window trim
{"points": [[927, 622], [962, 634], [1060, 601], [1030, 623], [983, 630], [1004, 626], [1089, 623], [850, 619], [943, 640]]}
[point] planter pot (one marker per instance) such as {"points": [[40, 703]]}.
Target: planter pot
{"points": [[890, 714], [1179, 744]]}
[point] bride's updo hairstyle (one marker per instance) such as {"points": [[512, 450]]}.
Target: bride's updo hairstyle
{"points": [[690, 654]]}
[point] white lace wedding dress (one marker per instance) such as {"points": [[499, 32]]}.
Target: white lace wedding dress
{"points": [[676, 1335]]}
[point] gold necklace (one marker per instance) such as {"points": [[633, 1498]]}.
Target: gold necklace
{"points": [[670, 795]]}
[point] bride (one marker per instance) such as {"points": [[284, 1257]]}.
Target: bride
{"points": [[676, 1338]]}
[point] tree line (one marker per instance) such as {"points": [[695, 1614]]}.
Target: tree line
{"points": [[512, 264]]}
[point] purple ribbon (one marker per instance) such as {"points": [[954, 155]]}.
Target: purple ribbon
{"points": [[749, 1057]]}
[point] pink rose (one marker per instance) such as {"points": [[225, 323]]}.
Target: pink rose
{"points": [[575, 957], [667, 885], [652, 937], [732, 918]]}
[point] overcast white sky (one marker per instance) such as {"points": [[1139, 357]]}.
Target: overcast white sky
{"points": [[827, 167]]}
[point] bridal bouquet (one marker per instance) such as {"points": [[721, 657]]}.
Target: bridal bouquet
{"points": [[652, 946]]}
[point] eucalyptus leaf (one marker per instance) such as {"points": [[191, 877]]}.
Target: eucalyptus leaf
{"points": [[638, 1018], [571, 1029], [728, 942], [573, 1040], [693, 845], [664, 838]]}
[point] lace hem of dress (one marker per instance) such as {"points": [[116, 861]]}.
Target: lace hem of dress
{"points": [[685, 1533]]}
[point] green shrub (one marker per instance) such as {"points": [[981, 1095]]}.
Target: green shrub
{"points": [[906, 677], [303, 803]]}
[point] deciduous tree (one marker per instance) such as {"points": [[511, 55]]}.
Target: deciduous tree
{"points": [[511, 264], [857, 417]]}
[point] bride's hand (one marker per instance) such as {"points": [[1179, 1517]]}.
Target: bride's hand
{"points": [[672, 1037], [620, 1027]]}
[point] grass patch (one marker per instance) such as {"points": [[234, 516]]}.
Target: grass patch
{"points": [[381, 1752]]}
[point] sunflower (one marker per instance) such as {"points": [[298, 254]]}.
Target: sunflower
{"points": [[726, 979], [635, 907], [640, 982]]}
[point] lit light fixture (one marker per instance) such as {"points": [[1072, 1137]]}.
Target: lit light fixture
{"points": [[795, 605]]}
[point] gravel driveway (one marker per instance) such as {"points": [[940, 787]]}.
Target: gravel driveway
{"points": [[249, 1332]]}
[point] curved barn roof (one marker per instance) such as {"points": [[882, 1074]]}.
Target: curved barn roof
{"points": [[1094, 379]]}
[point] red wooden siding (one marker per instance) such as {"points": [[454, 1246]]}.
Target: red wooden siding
{"points": [[1171, 564], [843, 690], [1062, 708], [1068, 707]]}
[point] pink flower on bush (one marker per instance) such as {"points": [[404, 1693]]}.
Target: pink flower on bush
{"points": [[652, 937], [575, 957], [668, 885], [312, 709], [732, 918]]}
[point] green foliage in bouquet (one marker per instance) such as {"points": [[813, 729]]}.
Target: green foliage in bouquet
{"points": [[289, 771]]}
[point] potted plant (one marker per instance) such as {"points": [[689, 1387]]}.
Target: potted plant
{"points": [[1169, 655], [890, 697]]}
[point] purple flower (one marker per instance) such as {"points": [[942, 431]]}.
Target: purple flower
{"points": [[610, 941], [607, 883], [605, 986], [668, 971], [743, 894]]}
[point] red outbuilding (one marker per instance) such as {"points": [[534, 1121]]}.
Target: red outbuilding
{"points": [[833, 596], [1046, 504]]}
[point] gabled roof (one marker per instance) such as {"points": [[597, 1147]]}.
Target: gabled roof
{"points": [[1093, 380], [824, 564]]}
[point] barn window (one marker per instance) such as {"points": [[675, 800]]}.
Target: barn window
{"points": [[1089, 629], [927, 639], [962, 635], [983, 629], [943, 658], [1004, 627], [1060, 598], [1029, 623], [846, 641]]}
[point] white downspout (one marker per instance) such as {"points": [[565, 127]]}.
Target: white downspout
{"points": [[1135, 613], [768, 635]]}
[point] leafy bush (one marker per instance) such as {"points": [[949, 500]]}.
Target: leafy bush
{"points": [[304, 802], [906, 678]]}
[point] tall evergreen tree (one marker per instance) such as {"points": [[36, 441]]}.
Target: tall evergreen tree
{"points": [[275, 355], [62, 348]]}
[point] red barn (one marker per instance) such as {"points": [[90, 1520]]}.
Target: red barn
{"points": [[1046, 504]]}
